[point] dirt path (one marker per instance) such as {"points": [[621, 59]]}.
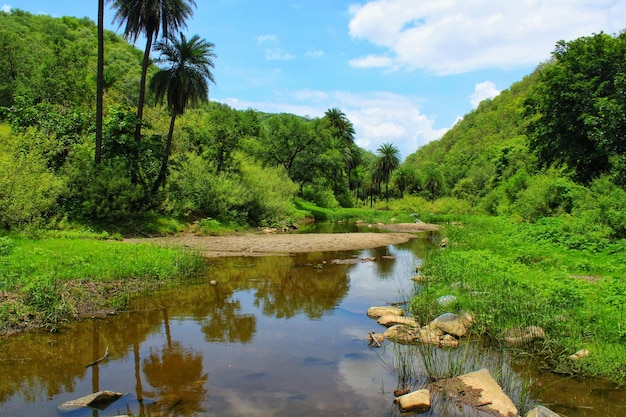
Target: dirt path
{"points": [[286, 243]]}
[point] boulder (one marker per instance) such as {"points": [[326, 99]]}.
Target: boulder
{"points": [[517, 336], [416, 401], [389, 320], [451, 323], [429, 334], [99, 400], [541, 411], [449, 341], [400, 334], [479, 390], [379, 311]]}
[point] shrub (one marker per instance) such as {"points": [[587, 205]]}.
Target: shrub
{"points": [[28, 191], [546, 195]]}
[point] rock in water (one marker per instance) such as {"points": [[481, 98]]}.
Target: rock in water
{"points": [[416, 401], [99, 400]]}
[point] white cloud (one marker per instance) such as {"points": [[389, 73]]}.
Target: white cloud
{"points": [[458, 36], [370, 61], [378, 117], [483, 91], [267, 38], [277, 54], [6, 8]]}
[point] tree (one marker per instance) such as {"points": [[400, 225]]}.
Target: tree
{"points": [[340, 125], [185, 82], [150, 17], [342, 131], [99, 82], [405, 178], [388, 161], [579, 107]]}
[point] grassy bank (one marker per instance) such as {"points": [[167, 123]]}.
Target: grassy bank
{"points": [[46, 281], [510, 274]]}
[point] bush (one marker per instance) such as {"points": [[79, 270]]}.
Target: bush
{"points": [[319, 195], [546, 195], [102, 193], [28, 191]]}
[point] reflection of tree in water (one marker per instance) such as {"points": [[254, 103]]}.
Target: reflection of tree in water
{"points": [[282, 290], [312, 289], [224, 323], [176, 374]]}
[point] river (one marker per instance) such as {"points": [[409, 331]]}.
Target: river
{"points": [[276, 336]]}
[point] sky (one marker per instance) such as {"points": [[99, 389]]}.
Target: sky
{"points": [[403, 71]]}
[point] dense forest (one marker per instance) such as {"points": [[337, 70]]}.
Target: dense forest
{"points": [[182, 156], [551, 146]]}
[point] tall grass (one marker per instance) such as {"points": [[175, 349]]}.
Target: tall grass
{"points": [[508, 276], [46, 279]]}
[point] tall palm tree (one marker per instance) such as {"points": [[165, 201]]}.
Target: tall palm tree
{"points": [[341, 126], [150, 17], [388, 161], [185, 82], [100, 82], [342, 132]]}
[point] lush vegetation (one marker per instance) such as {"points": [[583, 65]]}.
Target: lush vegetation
{"points": [[183, 157], [511, 274], [93, 136], [66, 275]]}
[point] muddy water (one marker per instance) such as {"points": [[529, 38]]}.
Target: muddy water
{"points": [[277, 336]]}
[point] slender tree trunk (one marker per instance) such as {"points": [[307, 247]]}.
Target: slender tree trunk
{"points": [[161, 179], [142, 87], [100, 82]]}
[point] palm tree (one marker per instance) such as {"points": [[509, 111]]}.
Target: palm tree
{"points": [[388, 161], [100, 82], [404, 178], [185, 82], [342, 132], [150, 17], [341, 126]]}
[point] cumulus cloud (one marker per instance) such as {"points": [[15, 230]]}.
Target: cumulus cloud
{"points": [[457, 36], [6, 8], [378, 117], [483, 91]]}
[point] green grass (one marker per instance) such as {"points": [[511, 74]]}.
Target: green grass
{"points": [[510, 274], [49, 280]]}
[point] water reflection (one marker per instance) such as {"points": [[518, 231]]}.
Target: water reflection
{"points": [[277, 336]]}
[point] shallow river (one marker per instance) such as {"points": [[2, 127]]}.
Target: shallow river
{"points": [[277, 336]]}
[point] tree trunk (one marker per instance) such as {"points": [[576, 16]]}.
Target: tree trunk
{"points": [[100, 82], [161, 179], [142, 87]]}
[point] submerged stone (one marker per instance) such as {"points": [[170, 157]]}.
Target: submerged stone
{"points": [[416, 401], [99, 400]]}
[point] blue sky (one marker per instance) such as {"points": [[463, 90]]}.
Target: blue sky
{"points": [[403, 71]]}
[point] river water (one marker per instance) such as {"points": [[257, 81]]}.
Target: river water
{"points": [[277, 336]]}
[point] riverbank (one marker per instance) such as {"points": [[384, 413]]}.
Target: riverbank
{"points": [[272, 244], [47, 282], [514, 276]]}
